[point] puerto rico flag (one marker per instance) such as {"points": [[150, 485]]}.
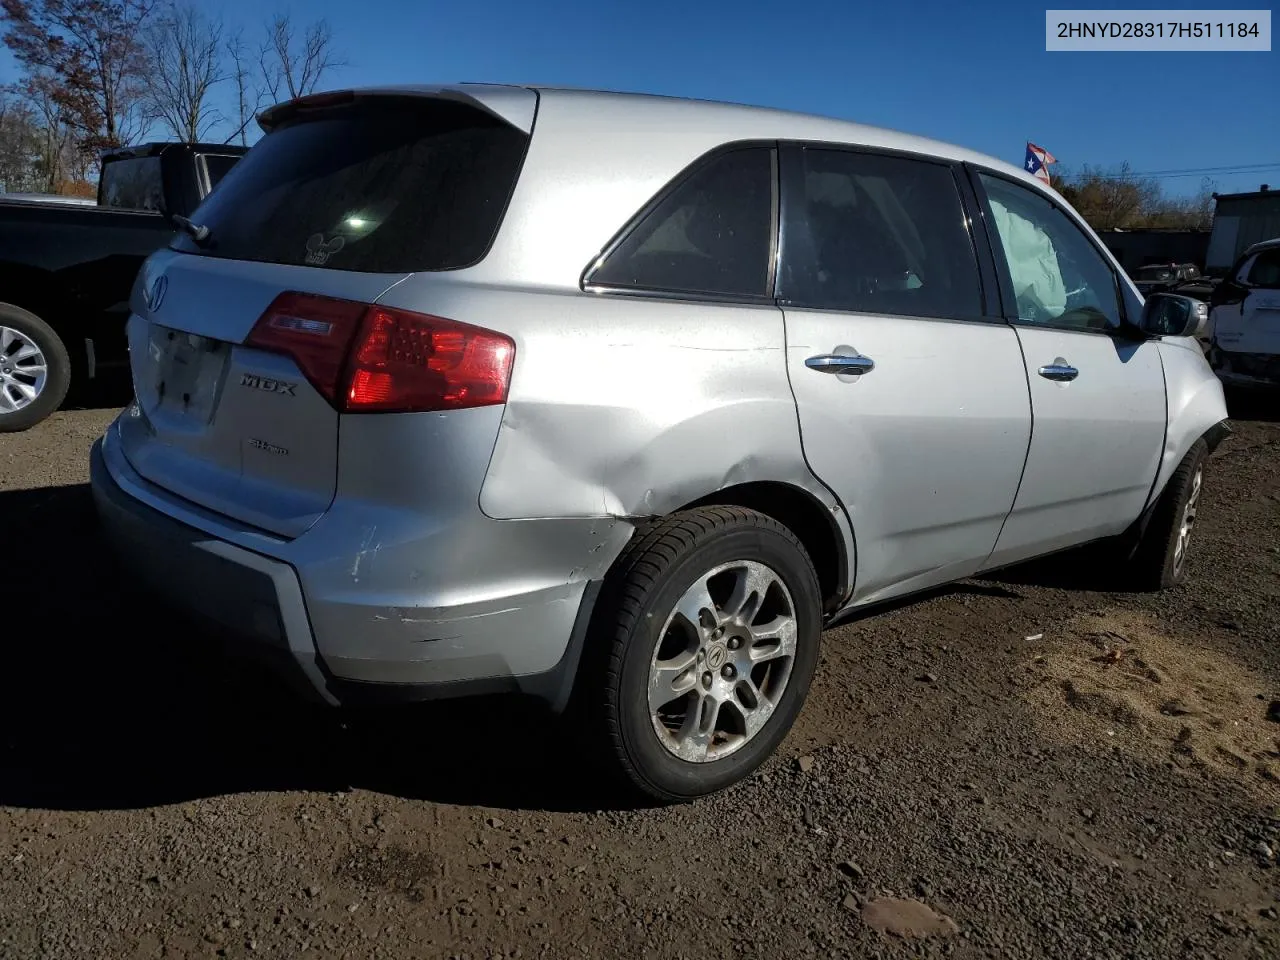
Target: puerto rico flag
{"points": [[1037, 162]]}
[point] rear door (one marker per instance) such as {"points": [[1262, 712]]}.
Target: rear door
{"points": [[1097, 391], [341, 202], [911, 390]]}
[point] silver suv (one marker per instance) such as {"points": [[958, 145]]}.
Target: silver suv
{"points": [[617, 400]]}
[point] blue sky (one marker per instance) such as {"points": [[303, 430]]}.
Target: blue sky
{"points": [[979, 77]]}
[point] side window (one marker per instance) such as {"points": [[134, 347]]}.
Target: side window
{"points": [[710, 235], [1059, 278], [876, 234], [1265, 271]]}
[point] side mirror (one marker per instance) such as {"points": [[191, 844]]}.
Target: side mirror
{"points": [[1171, 315]]}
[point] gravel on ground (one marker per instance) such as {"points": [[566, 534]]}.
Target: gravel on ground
{"points": [[1027, 766]]}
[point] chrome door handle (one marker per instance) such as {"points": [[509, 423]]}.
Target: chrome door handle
{"points": [[839, 363], [1059, 371]]}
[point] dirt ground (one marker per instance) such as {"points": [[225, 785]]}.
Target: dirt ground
{"points": [[1049, 768]]}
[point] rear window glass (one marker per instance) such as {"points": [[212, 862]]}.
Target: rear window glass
{"points": [[393, 187], [710, 235], [133, 184]]}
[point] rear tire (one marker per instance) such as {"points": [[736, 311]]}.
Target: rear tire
{"points": [[1160, 560], [35, 370], [703, 645]]}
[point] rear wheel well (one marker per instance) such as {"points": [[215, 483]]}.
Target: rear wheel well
{"points": [[32, 290], [802, 514], [35, 291]]}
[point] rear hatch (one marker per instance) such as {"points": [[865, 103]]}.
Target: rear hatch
{"points": [[248, 347]]}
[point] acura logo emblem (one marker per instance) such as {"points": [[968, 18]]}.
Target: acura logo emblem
{"points": [[156, 293]]}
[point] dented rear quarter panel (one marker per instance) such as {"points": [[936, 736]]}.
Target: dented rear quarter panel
{"points": [[669, 402], [627, 407]]}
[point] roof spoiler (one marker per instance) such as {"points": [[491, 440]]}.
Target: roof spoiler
{"points": [[513, 105]]}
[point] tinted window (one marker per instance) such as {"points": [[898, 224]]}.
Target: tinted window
{"points": [[877, 235], [133, 184], [399, 186], [217, 165], [1265, 271], [710, 235], [1059, 278]]}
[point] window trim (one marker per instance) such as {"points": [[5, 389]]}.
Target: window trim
{"points": [[988, 294], [202, 167], [1127, 331], [637, 219]]}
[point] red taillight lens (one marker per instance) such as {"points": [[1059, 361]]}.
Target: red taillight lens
{"points": [[398, 361], [410, 361], [315, 332]]}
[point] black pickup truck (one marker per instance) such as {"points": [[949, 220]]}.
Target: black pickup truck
{"points": [[67, 269]]}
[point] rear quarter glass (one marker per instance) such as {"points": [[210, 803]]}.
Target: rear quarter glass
{"points": [[384, 186]]}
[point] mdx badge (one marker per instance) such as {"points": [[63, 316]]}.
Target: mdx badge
{"points": [[269, 384]]}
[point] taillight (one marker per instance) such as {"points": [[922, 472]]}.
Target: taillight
{"points": [[371, 359], [315, 332]]}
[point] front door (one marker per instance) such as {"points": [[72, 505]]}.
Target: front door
{"points": [[912, 400], [1097, 390]]}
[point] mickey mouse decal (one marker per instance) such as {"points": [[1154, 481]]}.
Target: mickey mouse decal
{"points": [[319, 252]]}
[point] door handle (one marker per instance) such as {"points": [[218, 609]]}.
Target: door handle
{"points": [[1059, 370], [839, 363]]}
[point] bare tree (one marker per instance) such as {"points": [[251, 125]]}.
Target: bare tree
{"points": [[248, 87], [19, 143], [1125, 200], [186, 52], [292, 67], [55, 134], [91, 52]]}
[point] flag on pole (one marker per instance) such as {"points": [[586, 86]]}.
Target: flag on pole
{"points": [[1037, 162]]}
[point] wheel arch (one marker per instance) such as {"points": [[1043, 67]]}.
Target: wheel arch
{"points": [[1197, 409], [817, 526], [33, 290]]}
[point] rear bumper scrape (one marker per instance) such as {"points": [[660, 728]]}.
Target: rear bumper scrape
{"points": [[260, 606]]}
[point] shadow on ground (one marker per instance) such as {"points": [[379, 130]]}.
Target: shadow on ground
{"points": [[110, 390], [108, 702], [1090, 568], [1260, 405]]}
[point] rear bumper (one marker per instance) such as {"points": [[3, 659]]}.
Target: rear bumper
{"points": [[345, 628], [255, 602]]}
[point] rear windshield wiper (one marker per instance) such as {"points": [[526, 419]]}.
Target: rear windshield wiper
{"points": [[196, 231]]}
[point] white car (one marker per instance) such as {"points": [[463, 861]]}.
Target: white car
{"points": [[1245, 320]]}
